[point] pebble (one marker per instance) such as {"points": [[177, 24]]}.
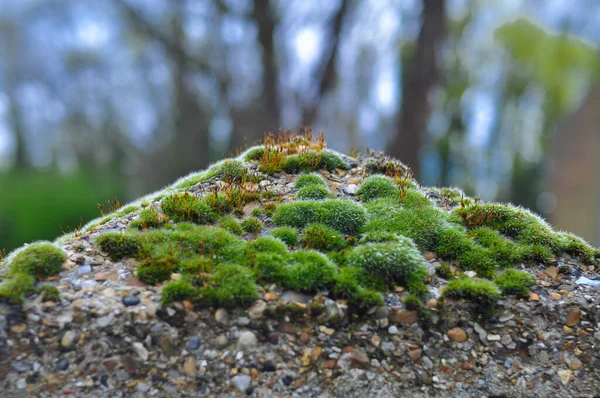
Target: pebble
{"points": [[68, 339], [84, 269], [575, 364], [269, 366], [457, 334], [257, 310], [393, 329], [130, 301], [189, 367], [573, 317], [493, 337], [222, 317], [194, 343], [507, 316], [141, 351], [21, 384], [242, 382], [63, 364], [247, 339], [350, 189], [555, 296]]}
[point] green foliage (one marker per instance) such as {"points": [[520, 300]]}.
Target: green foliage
{"points": [[255, 153], [267, 244], [309, 179], [577, 247], [49, 293], [39, 260], [445, 271], [313, 192], [377, 186], [393, 262], [192, 180], [118, 245], [179, 290], [481, 292], [310, 160], [270, 267], [252, 225], [187, 207], [232, 170], [256, 212], [148, 218], [505, 252], [308, 271], [516, 282], [270, 209], [340, 258], [231, 224], [158, 268], [379, 237], [230, 286], [194, 266], [413, 199], [322, 238], [344, 216], [350, 284], [18, 285], [288, 235]]}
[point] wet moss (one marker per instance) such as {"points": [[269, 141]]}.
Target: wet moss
{"points": [[187, 207], [15, 288], [49, 293], [118, 245], [309, 179], [179, 290], [39, 260], [321, 237], [515, 282], [266, 244], [308, 271], [355, 285], [230, 286], [313, 192], [148, 218], [377, 186], [231, 224], [482, 292], [288, 235], [252, 225]]}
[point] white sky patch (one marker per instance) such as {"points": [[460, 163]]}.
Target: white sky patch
{"points": [[307, 44]]}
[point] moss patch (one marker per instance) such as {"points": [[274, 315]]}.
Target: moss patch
{"points": [[187, 207], [231, 224], [148, 218], [39, 260], [288, 235], [481, 292], [321, 237], [252, 225], [313, 192], [375, 187], [516, 282], [309, 179]]}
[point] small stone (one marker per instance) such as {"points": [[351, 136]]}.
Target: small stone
{"points": [[21, 384], [506, 339], [84, 269], [315, 354], [109, 292], [458, 335], [350, 189], [467, 366], [63, 364], [573, 317], [287, 380], [130, 301], [111, 275], [555, 296], [493, 337], [359, 359], [534, 296], [393, 329], [567, 329], [575, 364], [405, 318], [565, 376], [222, 317], [326, 330], [189, 367], [431, 303], [257, 310], [415, 354], [246, 340], [270, 296], [141, 351], [552, 272], [221, 341], [194, 343], [18, 329], [242, 382], [104, 321], [269, 366], [187, 305], [129, 364], [68, 339], [507, 316]]}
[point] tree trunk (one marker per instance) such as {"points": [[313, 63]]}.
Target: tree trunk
{"points": [[423, 72]]}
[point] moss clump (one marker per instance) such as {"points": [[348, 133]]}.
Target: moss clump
{"points": [[256, 212], [377, 187], [310, 160], [288, 235], [270, 209], [393, 263], [187, 207], [308, 271], [255, 153], [344, 216], [321, 237], [272, 161], [16, 287], [230, 224], [230, 286], [49, 293], [118, 245], [39, 260], [577, 247], [313, 192], [252, 225], [481, 292], [270, 267], [267, 244], [355, 285], [379, 237], [445, 271], [179, 290], [515, 282], [413, 199], [309, 179], [232, 170], [157, 268], [195, 266], [148, 218], [192, 180], [505, 252]]}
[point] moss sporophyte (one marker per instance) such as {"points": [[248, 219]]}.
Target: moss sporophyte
{"points": [[276, 215]]}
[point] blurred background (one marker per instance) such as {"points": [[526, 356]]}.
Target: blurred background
{"points": [[111, 99]]}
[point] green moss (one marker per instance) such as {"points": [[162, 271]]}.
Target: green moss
{"points": [[413, 199], [478, 259], [231, 224], [252, 225], [192, 180], [118, 245], [230, 286], [179, 290], [321, 237], [270, 209], [309, 179], [576, 246], [126, 210], [268, 194], [187, 207], [393, 262], [49, 293], [515, 282], [379, 237], [341, 257], [39, 260], [16, 287], [377, 187], [505, 252], [445, 271], [232, 170], [288, 235], [481, 292], [158, 268], [349, 284], [270, 267], [267, 244], [220, 203], [313, 192], [256, 212], [344, 216], [255, 153], [308, 271], [148, 218], [307, 161], [193, 267]]}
